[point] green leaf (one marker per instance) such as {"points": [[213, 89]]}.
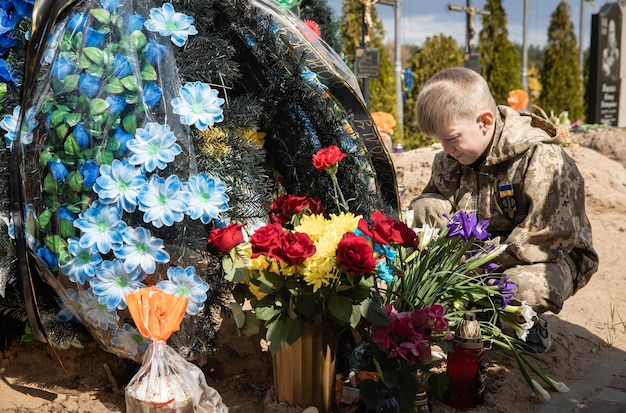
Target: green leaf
{"points": [[439, 383], [114, 85], [372, 312], [340, 307], [72, 119], [138, 40], [55, 243], [75, 181], [28, 336], [99, 106], [95, 54], [104, 158], [272, 280], [67, 228], [70, 82], [148, 72], [102, 15], [49, 184], [234, 270], [130, 123], [44, 217], [70, 146], [130, 83], [57, 117]]}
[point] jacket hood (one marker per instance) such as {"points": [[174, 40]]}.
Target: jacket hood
{"points": [[516, 132]]}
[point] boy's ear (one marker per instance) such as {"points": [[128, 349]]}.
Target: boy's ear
{"points": [[486, 119]]}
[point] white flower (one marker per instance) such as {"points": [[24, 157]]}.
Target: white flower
{"points": [[540, 391], [168, 22]]}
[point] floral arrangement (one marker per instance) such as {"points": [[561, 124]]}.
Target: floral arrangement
{"points": [[309, 267]]}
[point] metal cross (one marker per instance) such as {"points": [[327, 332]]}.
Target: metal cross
{"points": [[471, 28]]}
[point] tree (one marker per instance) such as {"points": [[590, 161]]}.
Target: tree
{"points": [[438, 52], [562, 87], [382, 95], [500, 62]]}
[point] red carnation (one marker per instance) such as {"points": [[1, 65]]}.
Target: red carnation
{"points": [[226, 238], [313, 26], [355, 255], [328, 156]]}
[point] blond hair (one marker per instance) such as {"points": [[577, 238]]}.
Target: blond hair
{"points": [[452, 96]]}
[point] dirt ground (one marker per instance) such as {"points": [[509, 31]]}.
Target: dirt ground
{"points": [[590, 329]]}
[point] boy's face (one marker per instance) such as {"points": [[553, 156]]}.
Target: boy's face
{"points": [[467, 141]]}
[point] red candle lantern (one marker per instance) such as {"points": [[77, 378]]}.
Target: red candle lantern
{"points": [[465, 365]]}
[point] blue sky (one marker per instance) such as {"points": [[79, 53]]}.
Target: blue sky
{"points": [[424, 18]]}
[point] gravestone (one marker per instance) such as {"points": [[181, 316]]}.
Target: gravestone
{"points": [[604, 70]]}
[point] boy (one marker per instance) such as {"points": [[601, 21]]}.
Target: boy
{"points": [[509, 168]]}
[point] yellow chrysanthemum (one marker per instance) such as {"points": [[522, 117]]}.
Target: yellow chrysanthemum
{"points": [[313, 225], [319, 271], [253, 135], [344, 222], [256, 292]]}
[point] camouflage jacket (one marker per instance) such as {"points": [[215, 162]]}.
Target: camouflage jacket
{"points": [[528, 188]]}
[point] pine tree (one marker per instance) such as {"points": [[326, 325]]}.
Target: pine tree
{"points": [[500, 62], [562, 88], [382, 95], [438, 52]]}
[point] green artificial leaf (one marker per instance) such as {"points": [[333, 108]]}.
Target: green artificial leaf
{"points": [[61, 130], [44, 217], [238, 314], [28, 336], [234, 270], [49, 184], [129, 123], [309, 306], [73, 118], [138, 40], [99, 106], [70, 82], [67, 228], [104, 158], [70, 146], [58, 116], [95, 54], [372, 312], [148, 72], [340, 307], [75, 181], [439, 384], [74, 208], [130, 83], [114, 85], [102, 15], [274, 281], [55, 243], [266, 309]]}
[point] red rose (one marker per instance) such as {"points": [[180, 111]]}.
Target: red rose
{"points": [[226, 238], [295, 247], [355, 255], [266, 240], [384, 229], [286, 206], [409, 237], [327, 157]]}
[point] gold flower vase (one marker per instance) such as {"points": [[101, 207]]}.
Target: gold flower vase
{"points": [[304, 372]]}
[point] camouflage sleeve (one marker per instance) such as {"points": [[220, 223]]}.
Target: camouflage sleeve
{"points": [[554, 190], [431, 204]]}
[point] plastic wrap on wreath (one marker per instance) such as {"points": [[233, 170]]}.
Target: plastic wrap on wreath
{"points": [[165, 383], [112, 198]]}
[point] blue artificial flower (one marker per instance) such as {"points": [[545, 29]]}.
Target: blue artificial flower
{"points": [[66, 214], [89, 171], [94, 38], [122, 137], [112, 283], [54, 39], [26, 135], [312, 79], [76, 22], [81, 264], [184, 282], [208, 197], [116, 104], [134, 22], [89, 84], [82, 137], [98, 314], [57, 170], [154, 52], [110, 5], [9, 124], [101, 226], [141, 250], [198, 105], [153, 146], [69, 306], [120, 183], [61, 67], [122, 66], [48, 257], [31, 227], [162, 201], [8, 75], [168, 22], [384, 272], [130, 340], [151, 94]]}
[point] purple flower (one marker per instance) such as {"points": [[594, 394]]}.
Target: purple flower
{"points": [[89, 84], [464, 224], [506, 290]]}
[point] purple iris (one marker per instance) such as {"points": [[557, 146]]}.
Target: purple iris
{"points": [[506, 290], [89, 84], [151, 94], [464, 224], [121, 66], [154, 51], [81, 136], [61, 67], [89, 171]]}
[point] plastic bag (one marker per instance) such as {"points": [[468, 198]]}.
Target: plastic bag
{"points": [[166, 382]]}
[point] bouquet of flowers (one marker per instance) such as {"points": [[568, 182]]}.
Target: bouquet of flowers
{"points": [[308, 266]]}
